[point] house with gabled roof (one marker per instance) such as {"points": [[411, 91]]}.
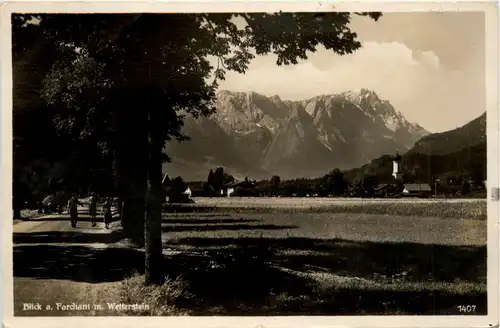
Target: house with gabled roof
{"points": [[231, 187], [389, 187], [417, 189]]}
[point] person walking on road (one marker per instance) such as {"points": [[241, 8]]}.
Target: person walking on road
{"points": [[106, 208], [73, 209], [93, 208]]}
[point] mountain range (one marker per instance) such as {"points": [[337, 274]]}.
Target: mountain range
{"points": [[257, 136], [449, 155], [468, 135]]}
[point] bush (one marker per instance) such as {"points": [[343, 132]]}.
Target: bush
{"points": [[161, 300]]}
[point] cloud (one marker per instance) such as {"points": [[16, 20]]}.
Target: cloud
{"points": [[415, 83], [430, 58]]}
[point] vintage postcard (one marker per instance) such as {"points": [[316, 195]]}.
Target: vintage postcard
{"points": [[250, 164]]}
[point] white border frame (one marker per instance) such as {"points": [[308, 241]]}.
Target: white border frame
{"points": [[492, 102]]}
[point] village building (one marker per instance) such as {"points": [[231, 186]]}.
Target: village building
{"points": [[394, 185], [417, 189], [387, 189], [230, 188], [391, 186], [173, 195]]}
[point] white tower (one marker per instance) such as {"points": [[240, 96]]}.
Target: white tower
{"points": [[395, 167]]}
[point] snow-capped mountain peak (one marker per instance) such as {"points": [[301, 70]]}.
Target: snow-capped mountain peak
{"points": [[335, 130]]}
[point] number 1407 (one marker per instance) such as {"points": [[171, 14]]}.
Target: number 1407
{"points": [[466, 308]]}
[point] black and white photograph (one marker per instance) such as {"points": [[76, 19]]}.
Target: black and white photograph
{"points": [[279, 162]]}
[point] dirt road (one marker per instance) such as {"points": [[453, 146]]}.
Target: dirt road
{"points": [[60, 270]]}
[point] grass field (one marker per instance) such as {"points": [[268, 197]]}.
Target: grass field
{"points": [[322, 256], [438, 208]]}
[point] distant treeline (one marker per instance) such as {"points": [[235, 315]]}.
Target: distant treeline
{"points": [[467, 164], [462, 173]]}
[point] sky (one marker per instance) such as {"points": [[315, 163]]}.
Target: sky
{"points": [[429, 65]]}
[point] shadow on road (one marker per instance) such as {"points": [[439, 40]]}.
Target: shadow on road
{"points": [[78, 263], [73, 237], [63, 217]]}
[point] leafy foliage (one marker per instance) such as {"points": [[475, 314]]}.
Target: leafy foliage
{"points": [[102, 52], [121, 84]]}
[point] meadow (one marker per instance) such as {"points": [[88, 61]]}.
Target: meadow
{"points": [[275, 256], [438, 208]]}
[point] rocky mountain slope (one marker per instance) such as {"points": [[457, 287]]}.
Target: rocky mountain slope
{"points": [[468, 135], [257, 136], [456, 153]]}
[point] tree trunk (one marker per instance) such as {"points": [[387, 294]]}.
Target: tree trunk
{"points": [[119, 209], [154, 255], [119, 186], [132, 158], [133, 192], [126, 206], [17, 209], [124, 216], [17, 196], [134, 207], [16, 204]]}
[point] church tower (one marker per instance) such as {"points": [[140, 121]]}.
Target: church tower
{"points": [[396, 162]]}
